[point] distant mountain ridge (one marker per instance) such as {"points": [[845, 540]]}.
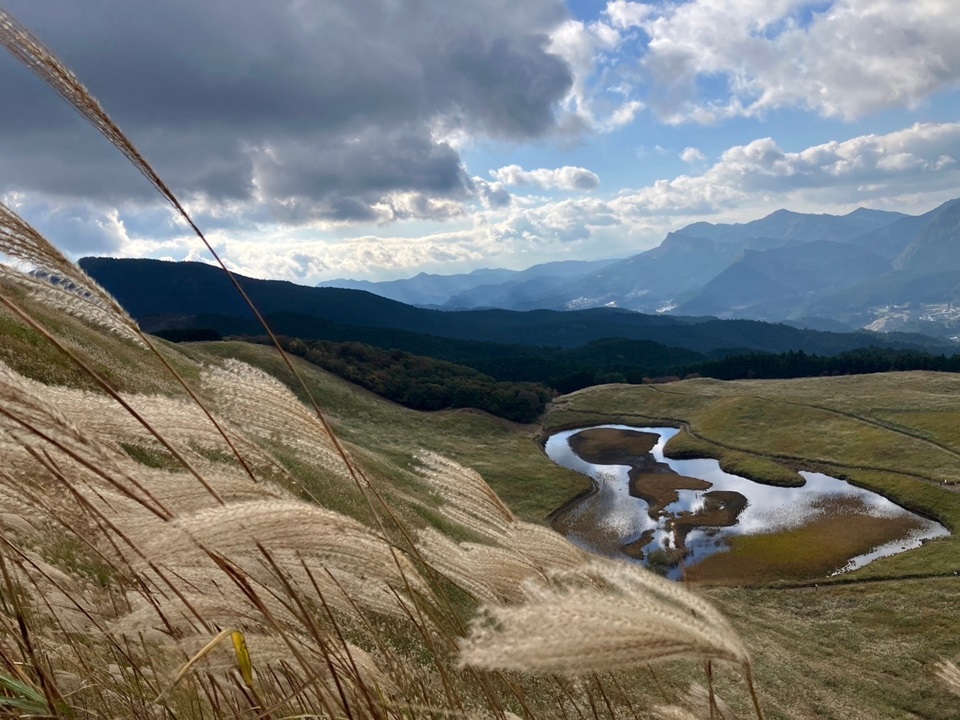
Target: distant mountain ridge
{"points": [[771, 284], [165, 295], [862, 269], [426, 289]]}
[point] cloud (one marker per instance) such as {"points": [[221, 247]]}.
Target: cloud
{"points": [[513, 237], [707, 60], [285, 111], [692, 155], [624, 14], [916, 160], [78, 228], [907, 170], [492, 195], [379, 256], [564, 178], [599, 98]]}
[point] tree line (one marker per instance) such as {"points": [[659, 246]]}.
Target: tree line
{"points": [[421, 382], [518, 387]]}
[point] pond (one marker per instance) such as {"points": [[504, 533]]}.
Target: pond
{"points": [[680, 515]]}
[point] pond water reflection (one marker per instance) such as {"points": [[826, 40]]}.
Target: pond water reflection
{"points": [[663, 511]]}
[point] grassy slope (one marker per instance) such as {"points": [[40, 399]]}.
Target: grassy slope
{"points": [[854, 651], [127, 367], [505, 453]]}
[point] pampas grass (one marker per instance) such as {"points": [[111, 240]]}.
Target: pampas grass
{"points": [[546, 549], [949, 674], [55, 281], [267, 409], [302, 574], [466, 499], [605, 616], [121, 582], [487, 572]]}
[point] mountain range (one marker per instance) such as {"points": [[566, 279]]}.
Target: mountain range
{"points": [[165, 295], [867, 269]]}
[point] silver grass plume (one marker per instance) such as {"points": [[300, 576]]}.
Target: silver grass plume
{"points": [[703, 702], [27, 423], [269, 651], [547, 549], [183, 424], [348, 592], [608, 616], [529, 554], [181, 494], [674, 712], [467, 499], [278, 525], [55, 281], [265, 408], [949, 674], [489, 573], [449, 559], [303, 538], [201, 592]]}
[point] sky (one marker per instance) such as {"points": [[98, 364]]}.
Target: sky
{"points": [[376, 139]]}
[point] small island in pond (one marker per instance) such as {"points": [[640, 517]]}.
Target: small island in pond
{"points": [[658, 485]]}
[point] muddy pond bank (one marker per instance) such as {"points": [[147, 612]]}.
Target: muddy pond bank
{"points": [[688, 517]]}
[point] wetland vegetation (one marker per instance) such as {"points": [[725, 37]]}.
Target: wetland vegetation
{"points": [[688, 518], [894, 434]]}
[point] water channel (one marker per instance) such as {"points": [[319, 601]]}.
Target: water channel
{"points": [[665, 511]]}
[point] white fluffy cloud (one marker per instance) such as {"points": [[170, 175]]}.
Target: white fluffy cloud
{"points": [[841, 59], [598, 100], [624, 14], [692, 155], [707, 60], [916, 160], [564, 178]]}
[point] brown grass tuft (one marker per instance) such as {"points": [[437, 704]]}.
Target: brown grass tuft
{"points": [[949, 674], [607, 616]]}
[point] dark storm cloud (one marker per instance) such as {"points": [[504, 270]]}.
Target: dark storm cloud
{"points": [[331, 102], [373, 160]]}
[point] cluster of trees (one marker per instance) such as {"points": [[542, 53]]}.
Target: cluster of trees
{"points": [[800, 364], [518, 386], [421, 382]]}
